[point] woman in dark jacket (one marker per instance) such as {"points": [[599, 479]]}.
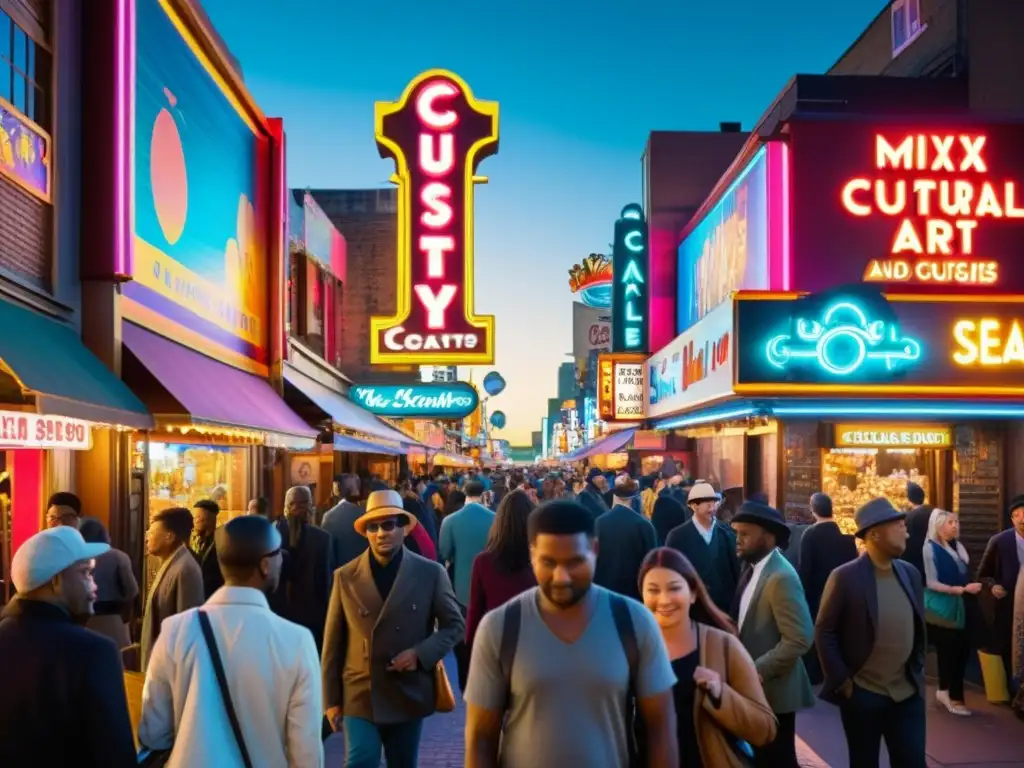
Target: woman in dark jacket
{"points": [[116, 587]]}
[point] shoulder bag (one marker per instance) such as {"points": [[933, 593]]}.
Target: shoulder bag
{"points": [[222, 681]]}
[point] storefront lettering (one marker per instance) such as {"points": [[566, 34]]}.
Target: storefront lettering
{"points": [[30, 430], [398, 340], [709, 357], [988, 342], [408, 399], [938, 217], [451, 400], [935, 438]]}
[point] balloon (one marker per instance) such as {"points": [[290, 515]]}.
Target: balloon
{"points": [[494, 383], [498, 419]]}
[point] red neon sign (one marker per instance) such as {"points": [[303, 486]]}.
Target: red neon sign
{"points": [[939, 189], [437, 134]]}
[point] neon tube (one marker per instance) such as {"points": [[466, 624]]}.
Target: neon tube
{"points": [[705, 418]]}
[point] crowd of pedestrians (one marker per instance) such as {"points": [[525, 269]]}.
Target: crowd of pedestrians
{"points": [[597, 619]]}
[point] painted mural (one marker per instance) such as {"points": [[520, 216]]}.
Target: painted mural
{"points": [[200, 263], [24, 152]]}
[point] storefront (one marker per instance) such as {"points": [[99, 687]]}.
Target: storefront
{"points": [[55, 398], [847, 323]]}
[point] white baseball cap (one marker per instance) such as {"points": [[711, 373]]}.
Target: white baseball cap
{"points": [[48, 553]]}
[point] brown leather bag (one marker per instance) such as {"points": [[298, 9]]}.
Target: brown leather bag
{"points": [[444, 697]]}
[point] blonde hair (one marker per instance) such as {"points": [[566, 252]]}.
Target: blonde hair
{"points": [[938, 519]]}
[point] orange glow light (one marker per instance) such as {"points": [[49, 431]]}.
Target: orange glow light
{"points": [[938, 216]]}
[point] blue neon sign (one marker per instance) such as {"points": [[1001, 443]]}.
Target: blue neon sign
{"points": [[452, 400], [629, 282], [843, 342]]}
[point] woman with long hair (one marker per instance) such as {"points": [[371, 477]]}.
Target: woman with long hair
{"points": [[721, 708], [946, 581], [503, 569]]}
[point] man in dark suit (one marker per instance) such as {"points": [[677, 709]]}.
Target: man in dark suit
{"points": [[400, 610], [624, 537], [917, 527], [870, 635], [1000, 568], [202, 545], [339, 522], [63, 700], [309, 566], [592, 495], [823, 549]]}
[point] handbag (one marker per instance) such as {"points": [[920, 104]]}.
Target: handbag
{"points": [[222, 681], [943, 609], [741, 750], [444, 697]]}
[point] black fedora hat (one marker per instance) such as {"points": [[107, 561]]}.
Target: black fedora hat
{"points": [[767, 517], [876, 512]]}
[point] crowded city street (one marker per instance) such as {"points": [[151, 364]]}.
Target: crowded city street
{"points": [[365, 404]]}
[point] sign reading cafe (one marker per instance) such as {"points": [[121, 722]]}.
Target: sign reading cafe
{"points": [[629, 282], [437, 133], [453, 400]]}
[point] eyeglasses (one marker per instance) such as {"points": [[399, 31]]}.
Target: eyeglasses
{"points": [[385, 525], [275, 553]]}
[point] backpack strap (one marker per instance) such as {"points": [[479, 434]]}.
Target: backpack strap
{"points": [[510, 640], [627, 633]]}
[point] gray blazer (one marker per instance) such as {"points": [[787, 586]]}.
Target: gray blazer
{"points": [[363, 634], [176, 588], [777, 631]]}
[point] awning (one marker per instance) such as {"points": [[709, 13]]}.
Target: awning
{"points": [[457, 460], [210, 392], [612, 443], [343, 411], [49, 360], [347, 444]]}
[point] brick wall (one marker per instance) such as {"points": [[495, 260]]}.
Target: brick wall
{"points": [[24, 234], [368, 220]]}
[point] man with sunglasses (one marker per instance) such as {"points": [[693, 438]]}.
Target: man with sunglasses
{"points": [[381, 647], [270, 665]]}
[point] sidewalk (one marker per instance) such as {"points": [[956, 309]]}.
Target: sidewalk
{"points": [[991, 738]]}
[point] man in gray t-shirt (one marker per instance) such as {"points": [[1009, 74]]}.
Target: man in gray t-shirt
{"points": [[566, 705]]}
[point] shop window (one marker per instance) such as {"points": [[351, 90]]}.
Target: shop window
{"points": [[906, 24], [855, 476], [25, 68], [315, 301], [180, 474]]}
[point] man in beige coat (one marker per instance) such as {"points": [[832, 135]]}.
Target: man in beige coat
{"points": [[178, 585], [381, 648]]}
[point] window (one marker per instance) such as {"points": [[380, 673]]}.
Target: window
{"points": [[24, 72], [315, 300], [906, 24]]}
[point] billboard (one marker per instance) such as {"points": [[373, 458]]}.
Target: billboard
{"points": [[918, 207], [695, 368], [620, 387], [858, 341], [630, 318], [201, 174], [437, 133], [729, 249], [591, 330]]}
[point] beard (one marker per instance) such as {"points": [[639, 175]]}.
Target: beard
{"points": [[564, 596], [295, 525]]}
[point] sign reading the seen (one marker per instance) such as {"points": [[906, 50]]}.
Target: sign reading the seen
{"points": [[863, 343], [32, 430], [924, 208], [437, 133]]}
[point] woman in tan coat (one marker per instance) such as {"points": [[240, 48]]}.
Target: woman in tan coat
{"points": [[721, 709]]}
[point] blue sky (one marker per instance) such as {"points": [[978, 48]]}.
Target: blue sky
{"points": [[580, 85]]}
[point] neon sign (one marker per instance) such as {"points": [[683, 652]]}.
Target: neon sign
{"points": [[452, 400], [843, 342], [937, 187], [629, 282], [437, 133], [892, 436], [988, 341], [620, 387]]}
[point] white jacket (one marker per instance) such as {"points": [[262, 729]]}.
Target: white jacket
{"points": [[273, 673]]}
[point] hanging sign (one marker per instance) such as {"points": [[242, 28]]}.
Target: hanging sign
{"points": [[437, 133], [452, 400], [33, 430], [629, 282]]}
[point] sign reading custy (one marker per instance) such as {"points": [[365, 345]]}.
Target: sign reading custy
{"points": [[452, 400]]}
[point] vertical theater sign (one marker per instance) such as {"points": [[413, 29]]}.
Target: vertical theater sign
{"points": [[437, 133], [629, 282]]}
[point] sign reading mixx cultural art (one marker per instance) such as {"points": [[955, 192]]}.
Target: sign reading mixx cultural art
{"points": [[437, 133], [199, 265], [452, 400], [860, 342], [920, 208]]}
